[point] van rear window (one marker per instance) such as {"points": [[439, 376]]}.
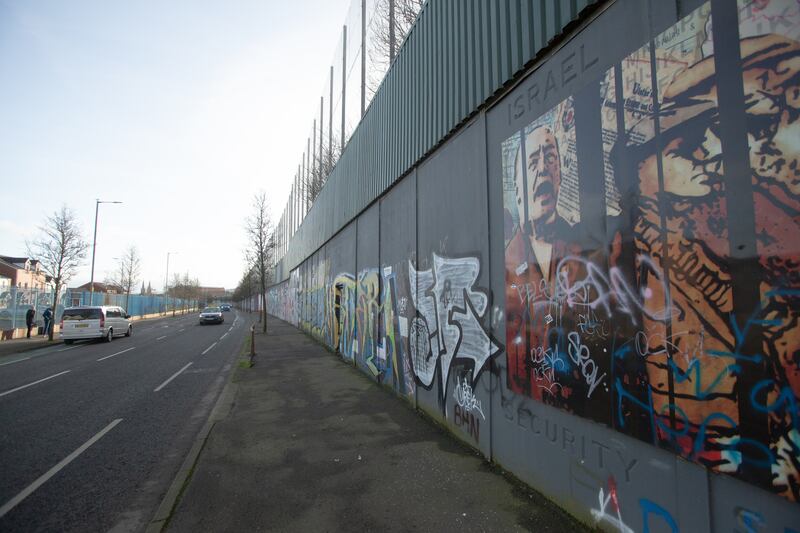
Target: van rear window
{"points": [[82, 314]]}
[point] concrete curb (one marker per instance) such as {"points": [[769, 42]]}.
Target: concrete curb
{"points": [[22, 348], [220, 411]]}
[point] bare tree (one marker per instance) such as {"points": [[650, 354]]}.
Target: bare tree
{"points": [[259, 248], [246, 288], [128, 271], [60, 250], [388, 28], [184, 288], [191, 290]]}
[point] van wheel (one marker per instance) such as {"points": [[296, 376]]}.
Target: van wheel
{"points": [[109, 335], [130, 330]]}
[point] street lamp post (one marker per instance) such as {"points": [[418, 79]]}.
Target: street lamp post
{"points": [[166, 285], [94, 243]]}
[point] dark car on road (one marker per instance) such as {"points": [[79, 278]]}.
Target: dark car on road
{"points": [[211, 315], [225, 307]]}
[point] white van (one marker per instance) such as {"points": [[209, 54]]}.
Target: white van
{"points": [[94, 322]]}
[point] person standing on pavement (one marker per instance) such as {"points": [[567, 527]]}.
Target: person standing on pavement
{"points": [[48, 320], [29, 316]]}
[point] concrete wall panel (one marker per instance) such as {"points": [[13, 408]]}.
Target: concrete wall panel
{"points": [[449, 338], [370, 350], [398, 250]]}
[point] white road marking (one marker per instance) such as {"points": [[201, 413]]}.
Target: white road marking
{"points": [[208, 349], [163, 337], [17, 361], [113, 354], [13, 502], [34, 383], [224, 335], [70, 348], [173, 376], [182, 329]]}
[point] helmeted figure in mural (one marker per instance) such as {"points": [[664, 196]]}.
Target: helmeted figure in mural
{"points": [[692, 358]]}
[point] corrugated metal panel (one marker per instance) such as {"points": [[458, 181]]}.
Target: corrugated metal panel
{"points": [[457, 55]]}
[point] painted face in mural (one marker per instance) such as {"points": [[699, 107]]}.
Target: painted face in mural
{"points": [[543, 182], [689, 217], [772, 98], [691, 157], [692, 201]]}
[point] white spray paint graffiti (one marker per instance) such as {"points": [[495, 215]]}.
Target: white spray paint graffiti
{"points": [[600, 514], [596, 290], [450, 324], [466, 399]]}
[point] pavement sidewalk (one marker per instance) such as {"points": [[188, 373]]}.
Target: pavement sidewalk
{"points": [[14, 346], [308, 443]]}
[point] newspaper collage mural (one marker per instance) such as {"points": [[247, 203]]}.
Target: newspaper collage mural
{"points": [[673, 330]]}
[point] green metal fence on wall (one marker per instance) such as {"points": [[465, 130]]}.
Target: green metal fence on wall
{"points": [[456, 57]]}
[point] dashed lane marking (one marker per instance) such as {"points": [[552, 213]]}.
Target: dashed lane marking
{"points": [[31, 384], [13, 502], [115, 354], [208, 349], [17, 361], [173, 376]]}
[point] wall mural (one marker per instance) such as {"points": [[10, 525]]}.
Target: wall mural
{"points": [[676, 330], [362, 317], [449, 324], [395, 333]]}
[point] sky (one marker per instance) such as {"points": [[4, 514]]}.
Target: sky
{"points": [[182, 110]]}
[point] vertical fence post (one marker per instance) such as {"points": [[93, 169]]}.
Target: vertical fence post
{"points": [[363, 56], [391, 32], [344, 78], [14, 293], [314, 165]]}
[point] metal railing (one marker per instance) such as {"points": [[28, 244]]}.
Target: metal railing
{"points": [[16, 301], [371, 35], [454, 60]]}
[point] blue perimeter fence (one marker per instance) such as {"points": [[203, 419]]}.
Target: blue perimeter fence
{"points": [[15, 302]]}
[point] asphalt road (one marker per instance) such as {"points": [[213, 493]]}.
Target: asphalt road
{"points": [[94, 433]]}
